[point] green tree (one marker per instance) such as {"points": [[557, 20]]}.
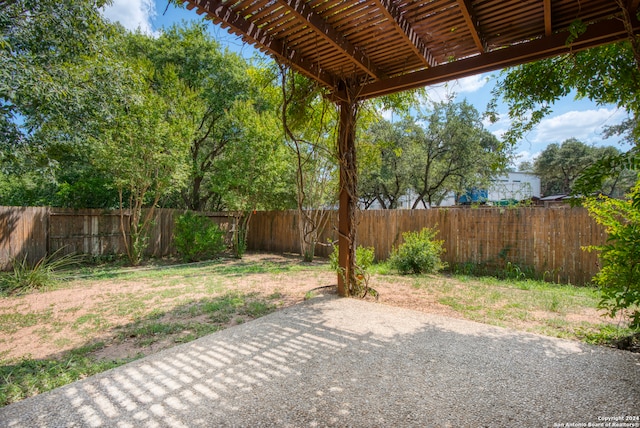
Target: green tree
{"points": [[619, 277], [389, 178], [455, 153], [258, 173], [560, 165], [219, 78], [430, 155], [525, 166], [48, 66], [145, 147]]}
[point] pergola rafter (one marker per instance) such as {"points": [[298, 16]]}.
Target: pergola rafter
{"points": [[548, 25], [330, 34], [392, 13], [473, 23], [596, 34], [219, 13]]}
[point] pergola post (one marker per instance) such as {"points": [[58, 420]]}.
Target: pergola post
{"points": [[348, 197]]}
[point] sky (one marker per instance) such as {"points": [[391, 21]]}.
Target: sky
{"points": [[571, 118]]}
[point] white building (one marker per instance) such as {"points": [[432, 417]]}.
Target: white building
{"points": [[514, 186]]}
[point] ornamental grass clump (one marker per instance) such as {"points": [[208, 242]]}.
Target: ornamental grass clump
{"points": [[420, 253], [46, 272]]}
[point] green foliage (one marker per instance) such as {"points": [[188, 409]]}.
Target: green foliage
{"points": [[29, 377], [54, 83], [441, 150], [365, 257], [619, 275], [611, 335], [197, 237], [420, 253], [27, 277], [560, 166], [94, 116], [605, 74], [608, 168]]}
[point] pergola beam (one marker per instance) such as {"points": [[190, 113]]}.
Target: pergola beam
{"points": [[473, 23], [335, 38], [219, 12], [596, 34], [392, 13]]}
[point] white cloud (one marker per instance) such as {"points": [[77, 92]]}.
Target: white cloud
{"points": [[444, 91], [470, 84], [524, 156], [132, 14], [586, 126], [387, 114]]}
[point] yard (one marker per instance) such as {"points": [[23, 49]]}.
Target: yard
{"points": [[105, 316]]}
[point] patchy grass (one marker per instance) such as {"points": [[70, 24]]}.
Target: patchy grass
{"points": [[27, 377], [107, 316], [557, 310]]}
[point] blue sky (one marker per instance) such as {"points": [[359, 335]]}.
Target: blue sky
{"points": [[579, 119]]}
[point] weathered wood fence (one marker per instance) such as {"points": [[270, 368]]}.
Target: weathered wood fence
{"points": [[546, 241], [38, 231]]}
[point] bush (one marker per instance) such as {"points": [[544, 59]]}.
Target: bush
{"points": [[197, 237], [420, 253], [619, 275]]}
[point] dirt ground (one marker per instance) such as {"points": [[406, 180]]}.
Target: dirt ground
{"points": [[89, 311]]}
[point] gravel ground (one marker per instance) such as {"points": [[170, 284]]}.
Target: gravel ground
{"points": [[345, 362]]}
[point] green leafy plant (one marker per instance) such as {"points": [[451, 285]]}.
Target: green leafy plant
{"points": [[364, 260], [44, 273], [619, 276], [197, 237], [420, 253]]}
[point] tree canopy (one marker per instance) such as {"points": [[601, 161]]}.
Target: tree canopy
{"points": [[427, 156], [560, 165], [608, 74], [84, 104]]}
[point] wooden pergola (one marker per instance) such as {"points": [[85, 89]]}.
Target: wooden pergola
{"points": [[360, 49]]}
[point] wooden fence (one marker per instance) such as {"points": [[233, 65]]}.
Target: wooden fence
{"points": [[38, 231], [544, 241], [23, 232]]}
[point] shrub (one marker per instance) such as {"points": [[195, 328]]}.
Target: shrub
{"points": [[420, 253], [197, 237], [619, 276]]}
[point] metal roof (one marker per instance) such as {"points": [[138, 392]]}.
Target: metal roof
{"points": [[385, 46]]}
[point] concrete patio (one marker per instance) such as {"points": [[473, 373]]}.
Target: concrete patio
{"points": [[344, 362]]}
